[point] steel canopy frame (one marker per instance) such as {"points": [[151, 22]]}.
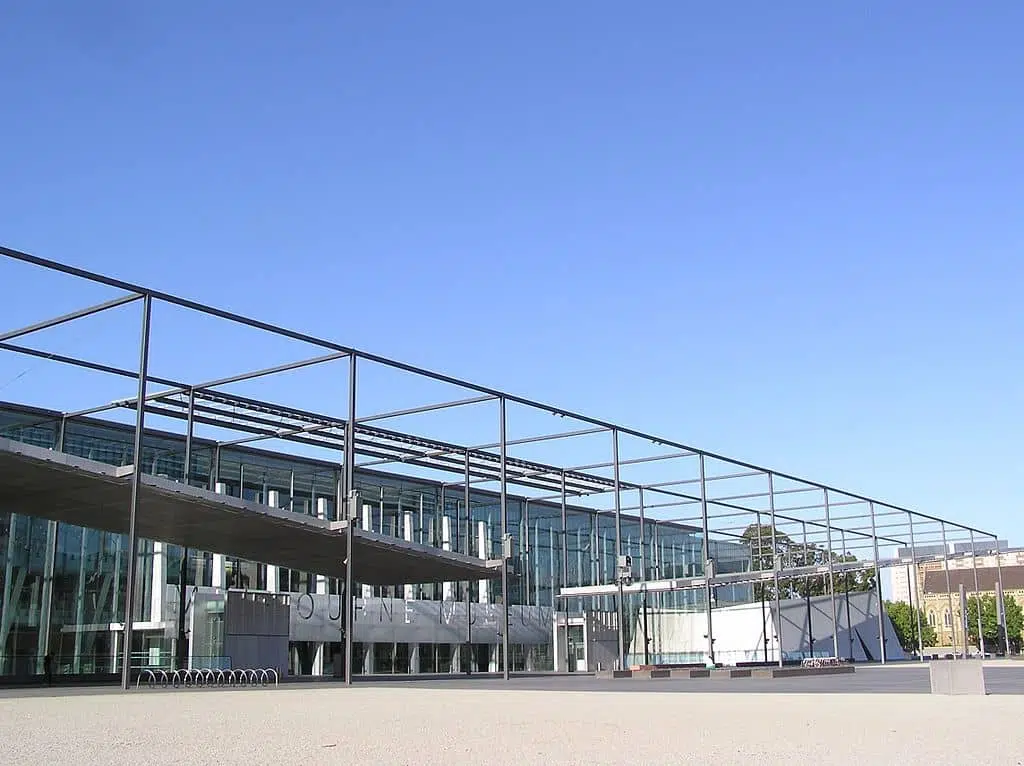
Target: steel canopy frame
{"points": [[358, 436]]}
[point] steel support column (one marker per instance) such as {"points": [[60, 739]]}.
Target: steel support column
{"points": [[643, 538], [977, 595], [807, 594], [619, 606], [846, 584], [1001, 598], [133, 542], [181, 657], [351, 509], [647, 636], [949, 589], [775, 567], [917, 592], [760, 586], [565, 544], [469, 583], [831, 580], [504, 531], [46, 616], [878, 587], [708, 575]]}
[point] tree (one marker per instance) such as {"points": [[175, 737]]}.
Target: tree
{"points": [[791, 553], [992, 631], [905, 620]]}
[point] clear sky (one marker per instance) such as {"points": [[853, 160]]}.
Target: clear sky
{"points": [[789, 232]]}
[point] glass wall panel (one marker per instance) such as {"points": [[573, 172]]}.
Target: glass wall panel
{"points": [[22, 566], [444, 658], [383, 657], [37, 429]]}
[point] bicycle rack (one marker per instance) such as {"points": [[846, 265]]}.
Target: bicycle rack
{"points": [[208, 677]]}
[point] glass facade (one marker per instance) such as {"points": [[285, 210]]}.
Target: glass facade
{"points": [[63, 586]]}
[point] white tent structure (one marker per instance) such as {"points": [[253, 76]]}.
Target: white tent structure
{"points": [[749, 632]]}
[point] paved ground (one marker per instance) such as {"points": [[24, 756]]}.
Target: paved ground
{"points": [[896, 679], [1005, 678], [527, 721]]}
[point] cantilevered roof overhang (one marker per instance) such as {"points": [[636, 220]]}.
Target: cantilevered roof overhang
{"points": [[66, 488]]}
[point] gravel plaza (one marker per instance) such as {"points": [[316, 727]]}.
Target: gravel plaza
{"points": [[878, 716]]}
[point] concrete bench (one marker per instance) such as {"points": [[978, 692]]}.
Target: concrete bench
{"points": [[830, 670]]}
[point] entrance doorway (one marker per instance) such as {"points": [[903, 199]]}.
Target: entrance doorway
{"points": [[571, 655], [482, 657], [577, 649]]}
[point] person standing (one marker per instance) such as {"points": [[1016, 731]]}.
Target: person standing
{"points": [[48, 669]]}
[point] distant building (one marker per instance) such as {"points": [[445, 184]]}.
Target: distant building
{"points": [[903, 577], [940, 595]]}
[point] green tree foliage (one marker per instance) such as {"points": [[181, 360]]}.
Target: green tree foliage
{"points": [[793, 553], [991, 629], [905, 620]]}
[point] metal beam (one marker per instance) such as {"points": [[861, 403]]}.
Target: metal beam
{"points": [[510, 443], [69, 317], [426, 408], [120, 284], [240, 377], [716, 477], [84, 364], [635, 461], [279, 435]]}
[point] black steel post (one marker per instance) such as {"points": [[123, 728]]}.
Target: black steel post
{"points": [[46, 618], [977, 595], [565, 542], [807, 593], [619, 605], [964, 617], [949, 590], [878, 587], [831, 580], [775, 568], [643, 538], [350, 504], [133, 542], [1000, 598], [846, 583], [917, 594], [504, 531], [707, 566], [182, 650], [469, 583], [647, 636], [760, 587]]}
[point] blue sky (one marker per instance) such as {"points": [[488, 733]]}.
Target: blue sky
{"points": [[789, 232]]}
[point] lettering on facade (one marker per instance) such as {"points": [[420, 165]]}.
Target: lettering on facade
{"points": [[409, 613], [446, 612], [304, 606]]}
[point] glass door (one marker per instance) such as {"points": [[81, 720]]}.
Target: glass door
{"points": [[577, 649]]}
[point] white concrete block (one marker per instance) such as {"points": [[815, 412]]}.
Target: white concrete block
{"points": [[957, 677]]}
